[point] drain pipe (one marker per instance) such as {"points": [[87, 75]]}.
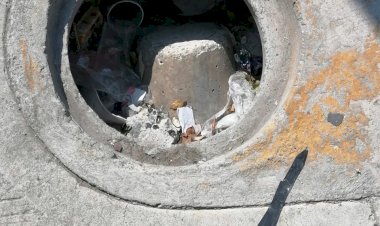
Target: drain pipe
{"points": [[127, 6]]}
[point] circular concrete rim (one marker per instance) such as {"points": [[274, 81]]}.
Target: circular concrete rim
{"points": [[83, 154], [275, 78]]}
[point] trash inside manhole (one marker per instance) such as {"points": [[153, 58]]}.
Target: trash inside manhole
{"points": [[166, 72]]}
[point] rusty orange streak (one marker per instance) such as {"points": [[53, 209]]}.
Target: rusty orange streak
{"points": [[30, 67], [357, 76]]}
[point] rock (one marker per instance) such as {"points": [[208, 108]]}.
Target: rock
{"points": [[335, 118], [189, 62], [118, 147]]}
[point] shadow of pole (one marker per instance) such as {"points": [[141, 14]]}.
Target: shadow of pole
{"points": [[59, 15], [274, 211]]}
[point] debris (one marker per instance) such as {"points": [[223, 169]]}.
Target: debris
{"points": [[187, 123], [256, 65], [248, 63], [172, 133], [117, 108], [192, 134], [177, 137], [136, 95], [243, 60], [176, 122], [104, 64], [158, 119], [83, 29], [198, 138], [118, 147], [134, 108], [227, 121], [188, 136], [335, 118], [213, 126], [232, 108], [147, 132], [177, 104], [126, 128], [115, 82], [243, 40], [240, 94], [198, 129], [186, 118]]}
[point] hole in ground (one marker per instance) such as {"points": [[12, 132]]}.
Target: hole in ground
{"points": [[136, 69]]}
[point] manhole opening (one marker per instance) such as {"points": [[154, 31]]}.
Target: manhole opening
{"points": [[169, 71]]}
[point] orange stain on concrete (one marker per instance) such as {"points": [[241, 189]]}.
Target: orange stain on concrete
{"points": [[357, 76], [30, 67]]}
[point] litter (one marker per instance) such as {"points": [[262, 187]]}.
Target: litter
{"points": [[239, 96], [105, 79], [84, 28], [186, 122], [227, 121], [103, 64], [177, 137], [241, 93], [136, 96], [176, 122], [248, 63], [243, 60], [134, 108], [177, 104], [188, 136], [186, 118]]}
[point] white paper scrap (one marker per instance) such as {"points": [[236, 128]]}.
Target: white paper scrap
{"points": [[186, 118]]}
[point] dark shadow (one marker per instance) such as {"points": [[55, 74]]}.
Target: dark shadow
{"points": [[228, 14], [274, 211], [157, 14], [372, 10], [58, 17]]}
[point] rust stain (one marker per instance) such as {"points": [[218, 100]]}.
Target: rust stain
{"points": [[30, 67], [357, 76], [310, 13]]}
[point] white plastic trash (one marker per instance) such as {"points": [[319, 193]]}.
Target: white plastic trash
{"points": [[186, 118], [137, 96]]}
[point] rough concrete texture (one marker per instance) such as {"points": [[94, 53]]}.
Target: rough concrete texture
{"points": [[189, 62], [320, 56]]}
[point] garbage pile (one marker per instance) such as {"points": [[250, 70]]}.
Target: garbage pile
{"points": [[103, 66]]}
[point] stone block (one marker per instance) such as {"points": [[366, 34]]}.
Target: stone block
{"points": [[190, 62]]}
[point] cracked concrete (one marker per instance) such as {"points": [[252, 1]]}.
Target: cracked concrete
{"points": [[57, 168]]}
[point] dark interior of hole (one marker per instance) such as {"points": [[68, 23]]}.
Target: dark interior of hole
{"points": [[126, 11], [232, 14]]}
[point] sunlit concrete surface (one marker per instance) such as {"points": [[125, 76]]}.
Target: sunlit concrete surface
{"points": [[57, 165]]}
